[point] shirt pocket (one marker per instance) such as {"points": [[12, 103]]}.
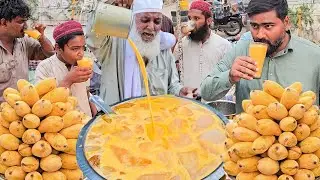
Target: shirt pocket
{"points": [[5, 73], [158, 81]]}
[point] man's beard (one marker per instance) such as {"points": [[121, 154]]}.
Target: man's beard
{"points": [[150, 50], [272, 47], [200, 34]]}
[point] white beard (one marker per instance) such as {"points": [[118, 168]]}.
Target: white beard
{"points": [[149, 50]]}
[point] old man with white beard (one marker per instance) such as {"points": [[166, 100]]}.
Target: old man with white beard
{"points": [[121, 76]]}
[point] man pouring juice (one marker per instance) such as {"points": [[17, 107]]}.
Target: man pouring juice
{"points": [[274, 54]]}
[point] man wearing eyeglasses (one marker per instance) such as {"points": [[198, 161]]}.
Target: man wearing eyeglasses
{"points": [[70, 47]]}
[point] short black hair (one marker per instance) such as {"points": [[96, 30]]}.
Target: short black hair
{"points": [[65, 39], [10, 9], [261, 6]]}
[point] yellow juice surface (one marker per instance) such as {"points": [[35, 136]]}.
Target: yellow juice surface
{"points": [[85, 62], [188, 144], [35, 34], [258, 51], [146, 84]]}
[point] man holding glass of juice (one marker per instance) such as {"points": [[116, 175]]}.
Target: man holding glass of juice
{"points": [[16, 49], [273, 54]]}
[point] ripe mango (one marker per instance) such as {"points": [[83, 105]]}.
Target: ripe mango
{"points": [[309, 117], [11, 99], [10, 158], [58, 109], [3, 168], [4, 130], [260, 112], [289, 98], [10, 91], [25, 150], [262, 144], [4, 123], [288, 139], [277, 111], [51, 163], [46, 85], [53, 175], [304, 174], [22, 108], [51, 124], [261, 98], [245, 104], [9, 114], [17, 129], [233, 155], [289, 167], [302, 131], [35, 175], [297, 111], [268, 166], [29, 95], [69, 161], [310, 145], [9, 142], [277, 152], [306, 101], [15, 172], [72, 174], [74, 117], [294, 153], [21, 83], [265, 177], [243, 149], [248, 164], [42, 108], [244, 134], [57, 141], [41, 149], [285, 177], [273, 88], [29, 164], [268, 127], [31, 136], [308, 161], [228, 143], [316, 171], [73, 101], [309, 94], [59, 94], [247, 176], [288, 124], [72, 132], [72, 147], [315, 133], [31, 121], [297, 86], [315, 125]]}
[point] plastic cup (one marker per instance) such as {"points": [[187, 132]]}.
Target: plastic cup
{"points": [[258, 52]]}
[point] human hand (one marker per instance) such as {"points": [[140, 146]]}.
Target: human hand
{"points": [[78, 75], [242, 68], [40, 27], [189, 92], [123, 3]]}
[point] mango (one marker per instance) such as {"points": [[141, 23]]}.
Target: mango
{"points": [[297, 86], [245, 104], [51, 163], [309, 94], [315, 125], [41, 149], [308, 161], [315, 133], [306, 101], [29, 95], [294, 153], [4, 123], [73, 101], [31, 121], [268, 166], [17, 129], [310, 145], [316, 171], [69, 161], [244, 134], [288, 124], [228, 143], [21, 83], [22, 108], [10, 158], [9, 114], [309, 117], [265, 177], [297, 111], [33, 176], [72, 132], [302, 131], [247, 176], [285, 177], [57, 141], [289, 167], [9, 142], [248, 164], [262, 144], [288, 139], [25, 150], [10, 91], [289, 98], [31, 136], [59, 94], [53, 175], [243, 149], [304, 174], [277, 111], [74, 117], [46, 85], [58, 109], [51, 124], [11, 99], [273, 88], [261, 98], [268, 127], [72, 174], [15, 172], [260, 112], [233, 155], [277, 152], [42, 108], [29, 164]]}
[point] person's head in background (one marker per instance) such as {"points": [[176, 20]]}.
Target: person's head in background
{"points": [[70, 42], [269, 23], [146, 26], [13, 17], [200, 12]]}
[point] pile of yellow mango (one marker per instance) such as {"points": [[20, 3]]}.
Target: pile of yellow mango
{"points": [[39, 127], [276, 137]]}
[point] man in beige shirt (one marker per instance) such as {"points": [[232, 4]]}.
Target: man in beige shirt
{"points": [[16, 50]]}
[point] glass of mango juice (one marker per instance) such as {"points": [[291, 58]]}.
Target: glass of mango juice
{"points": [[85, 62], [258, 52]]}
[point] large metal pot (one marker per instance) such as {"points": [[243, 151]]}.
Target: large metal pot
{"points": [[91, 174], [227, 108]]}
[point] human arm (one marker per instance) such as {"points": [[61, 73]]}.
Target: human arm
{"points": [[76, 75]]}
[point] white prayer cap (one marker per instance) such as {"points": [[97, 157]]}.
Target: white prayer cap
{"points": [[140, 6]]}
